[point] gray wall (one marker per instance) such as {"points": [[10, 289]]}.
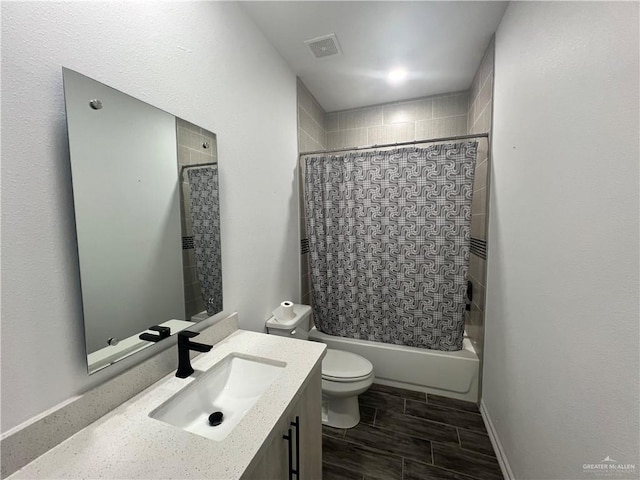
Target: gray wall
{"points": [[480, 114], [312, 136], [561, 346], [213, 70]]}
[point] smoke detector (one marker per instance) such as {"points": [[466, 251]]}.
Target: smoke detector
{"points": [[324, 46]]}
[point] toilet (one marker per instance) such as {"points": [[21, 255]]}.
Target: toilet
{"points": [[345, 375]]}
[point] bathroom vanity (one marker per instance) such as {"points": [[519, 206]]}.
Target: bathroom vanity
{"points": [[129, 442]]}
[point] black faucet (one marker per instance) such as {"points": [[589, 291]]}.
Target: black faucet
{"points": [[184, 345]]}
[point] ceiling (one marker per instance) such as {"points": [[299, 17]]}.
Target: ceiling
{"points": [[439, 44]]}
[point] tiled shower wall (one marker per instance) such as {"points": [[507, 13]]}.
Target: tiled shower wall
{"points": [[419, 119], [191, 151], [480, 115], [311, 136]]}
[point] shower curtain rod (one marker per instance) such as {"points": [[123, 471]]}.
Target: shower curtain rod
{"points": [[399, 144]]}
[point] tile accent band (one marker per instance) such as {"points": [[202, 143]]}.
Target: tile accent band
{"points": [[304, 246], [187, 243], [479, 247]]}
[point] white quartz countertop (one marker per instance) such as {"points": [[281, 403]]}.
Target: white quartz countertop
{"points": [[127, 443]]}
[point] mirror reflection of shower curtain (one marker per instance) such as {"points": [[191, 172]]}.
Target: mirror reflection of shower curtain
{"points": [[205, 215], [389, 239]]}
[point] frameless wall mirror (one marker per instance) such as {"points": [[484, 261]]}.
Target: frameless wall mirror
{"points": [[145, 190]]}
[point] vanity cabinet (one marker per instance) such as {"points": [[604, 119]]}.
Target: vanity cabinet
{"points": [[306, 454], [255, 448]]}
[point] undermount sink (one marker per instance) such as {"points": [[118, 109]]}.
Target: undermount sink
{"points": [[232, 386]]}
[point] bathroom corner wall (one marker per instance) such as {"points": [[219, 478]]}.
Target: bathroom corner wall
{"points": [[419, 119], [561, 364], [479, 121], [311, 136], [191, 152]]}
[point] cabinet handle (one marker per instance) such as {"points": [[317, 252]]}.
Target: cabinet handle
{"points": [[297, 425], [288, 439]]}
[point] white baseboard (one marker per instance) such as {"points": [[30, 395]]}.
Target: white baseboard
{"points": [[497, 446]]}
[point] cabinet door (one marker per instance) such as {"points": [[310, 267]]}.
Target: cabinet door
{"points": [[273, 460], [309, 411], [274, 457]]}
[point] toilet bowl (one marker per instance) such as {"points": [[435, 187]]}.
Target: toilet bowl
{"points": [[345, 375]]}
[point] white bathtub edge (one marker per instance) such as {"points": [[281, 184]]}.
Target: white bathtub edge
{"points": [[450, 374], [507, 473]]}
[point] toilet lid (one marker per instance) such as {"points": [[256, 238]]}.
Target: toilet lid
{"points": [[339, 364]]}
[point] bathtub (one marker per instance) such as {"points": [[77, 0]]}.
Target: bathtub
{"points": [[451, 374]]}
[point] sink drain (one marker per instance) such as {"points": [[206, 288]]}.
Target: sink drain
{"points": [[215, 419]]}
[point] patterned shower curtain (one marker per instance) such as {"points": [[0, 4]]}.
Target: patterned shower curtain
{"points": [[389, 235], [205, 216]]}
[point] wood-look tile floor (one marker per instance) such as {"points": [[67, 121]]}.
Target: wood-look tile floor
{"points": [[407, 435]]}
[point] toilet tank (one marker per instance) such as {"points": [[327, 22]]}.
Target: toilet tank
{"points": [[297, 327]]}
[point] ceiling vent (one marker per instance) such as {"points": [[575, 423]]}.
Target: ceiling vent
{"points": [[324, 46]]}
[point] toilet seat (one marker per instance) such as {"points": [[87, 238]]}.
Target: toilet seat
{"points": [[340, 366], [346, 380]]}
